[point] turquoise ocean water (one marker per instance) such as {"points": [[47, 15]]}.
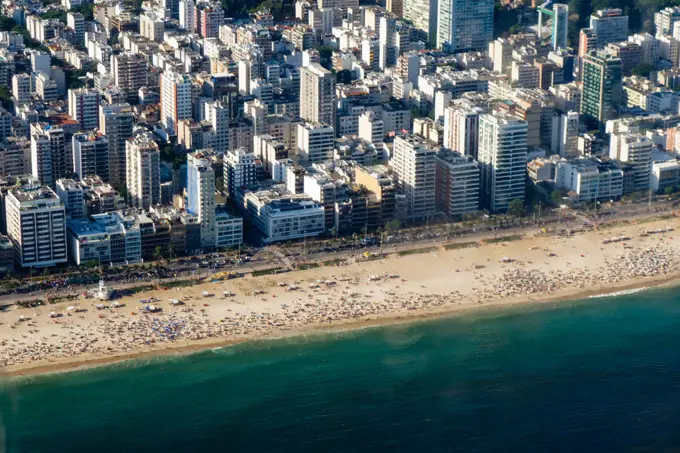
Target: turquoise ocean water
{"points": [[589, 376]]}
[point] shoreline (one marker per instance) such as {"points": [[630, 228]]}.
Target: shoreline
{"points": [[196, 346]]}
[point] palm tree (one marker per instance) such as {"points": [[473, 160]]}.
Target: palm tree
{"points": [[171, 250], [158, 253]]}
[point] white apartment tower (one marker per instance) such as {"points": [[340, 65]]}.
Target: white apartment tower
{"points": [[388, 46], [465, 25], [217, 114], [143, 172], [372, 128], [48, 153], [316, 142], [201, 196], [461, 128], [186, 15], [21, 87], [83, 106], [414, 163], [565, 134], [317, 94], [116, 122], [36, 225], [503, 158], [91, 155], [175, 99], [635, 149], [239, 170]]}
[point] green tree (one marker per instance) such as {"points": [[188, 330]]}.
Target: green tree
{"points": [[669, 190], [516, 208], [158, 253], [642, 70], [60, 15], [557, 196], [7, 23]]}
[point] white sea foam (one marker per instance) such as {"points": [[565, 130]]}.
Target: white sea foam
{"points": [[619, 293]]}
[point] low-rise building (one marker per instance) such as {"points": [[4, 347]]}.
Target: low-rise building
{"points": [[590, 178], [110, 238]]}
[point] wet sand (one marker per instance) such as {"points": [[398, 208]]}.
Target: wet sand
{"points": [[394, 289]]}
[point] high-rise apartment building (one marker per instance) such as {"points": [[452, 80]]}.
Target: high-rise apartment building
{"points": [[76, 22], [130, 73], [116, 122], [143, 172], [21, 87], [457, 184], [461, 128], [175, 99], [239, 170], [316, 142], [48, 153], [317, 94], [423, 15], [502, 158], [464, 25], [187, 9], [665, 19], [414, 163], [152, 26], [217, 114], [208, 15], [565, 131], [602, 87], [610, 25], [388, 45], [560, 26], [201, 195], [636, 150], [36, 225], [91, 155], [83, 106]]}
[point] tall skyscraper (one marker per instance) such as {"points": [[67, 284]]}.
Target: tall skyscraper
{"points": [[175, 99], [91, 155], [560, 26], [464, 25], [116, 122], [610, 25], [83, 106], [317, 94], [388, 45], [414, 163], [129, 73], [602, 88], [143, 172], [201, 195], [503, 158], [36, 225]]}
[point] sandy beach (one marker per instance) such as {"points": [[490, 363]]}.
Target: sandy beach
{"points": [[536, 268]]}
